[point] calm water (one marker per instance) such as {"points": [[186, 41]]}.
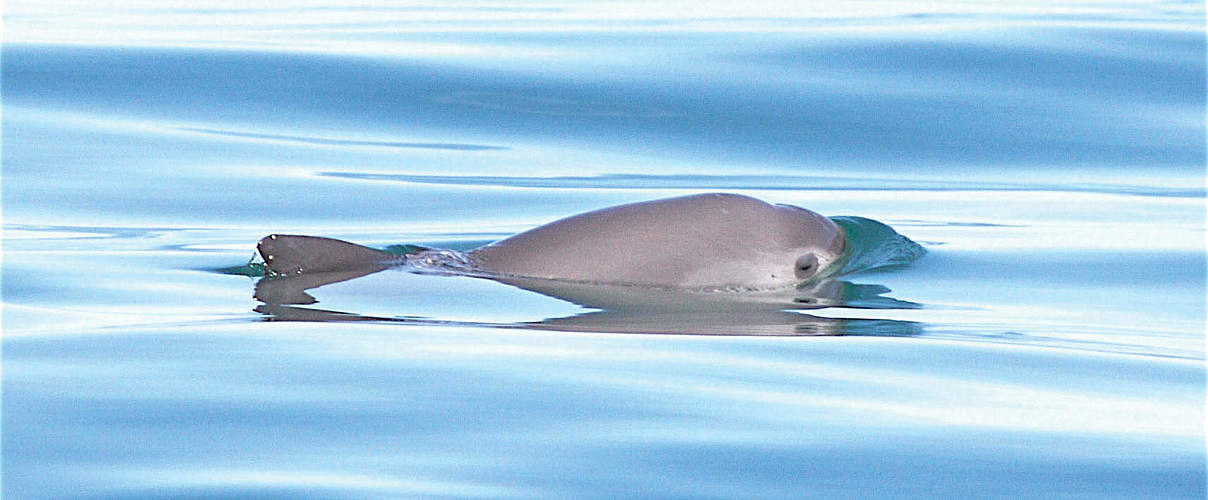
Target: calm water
{"points": [[1050, 157]]}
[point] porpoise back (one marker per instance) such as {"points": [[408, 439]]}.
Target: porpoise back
{"points": [[698, 241]]}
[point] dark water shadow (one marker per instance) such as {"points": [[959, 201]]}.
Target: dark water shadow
{"points": [[630, 309], [549, 105]]}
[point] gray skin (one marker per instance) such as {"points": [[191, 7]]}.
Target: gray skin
{"points": [[292, 255], [698, 241], [707, 240]]}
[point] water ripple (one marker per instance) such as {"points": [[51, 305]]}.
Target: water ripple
{"points": [[323, 141], [762, 182]]}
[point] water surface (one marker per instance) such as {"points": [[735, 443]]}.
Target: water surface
{"points": [[1049, 157]]}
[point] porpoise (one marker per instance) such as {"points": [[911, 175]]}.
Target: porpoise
{"points": [[711, 240]]}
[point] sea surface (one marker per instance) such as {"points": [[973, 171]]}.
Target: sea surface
{"points": [[1048, 156]]}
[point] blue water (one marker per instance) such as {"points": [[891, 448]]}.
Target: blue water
{"points": [[1050, 157]]}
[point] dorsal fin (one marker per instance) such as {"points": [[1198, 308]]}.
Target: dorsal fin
{"points": [[293, 254]]}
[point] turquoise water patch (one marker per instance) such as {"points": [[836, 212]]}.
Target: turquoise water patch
{"points": [[872, 245]]}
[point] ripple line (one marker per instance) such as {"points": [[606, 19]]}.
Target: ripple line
{"points": [[323, 141]]}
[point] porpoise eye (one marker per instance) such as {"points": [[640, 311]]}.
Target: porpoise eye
{"points": [[806, 265]]}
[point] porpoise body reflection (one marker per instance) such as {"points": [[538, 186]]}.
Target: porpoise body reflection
{"points": [[700, 241]]}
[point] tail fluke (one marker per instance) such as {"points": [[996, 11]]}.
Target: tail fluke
{"points": [[290, 255]]}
